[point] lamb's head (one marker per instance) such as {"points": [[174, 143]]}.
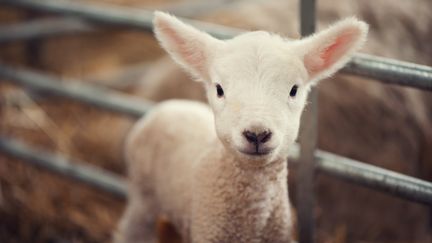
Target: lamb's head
{"points": [[257, 83]]}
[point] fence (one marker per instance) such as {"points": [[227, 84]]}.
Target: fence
{"points": [[91, 17]]}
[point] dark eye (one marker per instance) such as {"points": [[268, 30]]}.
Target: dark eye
{"points": [[219, 90], [293, 91]]}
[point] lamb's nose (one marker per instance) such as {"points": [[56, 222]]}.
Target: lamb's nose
{"points": [[262, 137]]}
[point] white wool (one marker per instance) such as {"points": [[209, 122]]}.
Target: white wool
{"points": [[195, 165]]}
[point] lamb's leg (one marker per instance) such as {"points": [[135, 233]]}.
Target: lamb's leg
{"points": [[138, 222], [166, 232]]}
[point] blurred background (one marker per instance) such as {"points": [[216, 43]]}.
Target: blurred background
{"points": [[385, 125]]}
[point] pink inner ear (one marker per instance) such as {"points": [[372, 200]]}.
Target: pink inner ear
{"points": [[189, 50], [323, 58], [333, 52]]}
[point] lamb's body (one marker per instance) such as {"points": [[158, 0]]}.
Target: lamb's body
{"points": [[220, 174], [178, 165]]}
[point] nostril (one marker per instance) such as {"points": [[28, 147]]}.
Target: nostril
{"points": [[264, 136], [251, 137]]}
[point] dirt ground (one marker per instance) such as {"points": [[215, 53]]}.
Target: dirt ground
{"points": [[38, 206]]}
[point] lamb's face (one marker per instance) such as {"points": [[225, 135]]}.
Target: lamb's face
{"points": [[257, 90], [257, 83]]}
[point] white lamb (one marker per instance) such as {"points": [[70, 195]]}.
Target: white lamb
{"points": [[219, 173]]}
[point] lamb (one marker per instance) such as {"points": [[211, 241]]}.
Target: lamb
{"points": [[218, 173]]}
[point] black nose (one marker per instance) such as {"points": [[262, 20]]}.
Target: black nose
{"points": [[262, 137]]}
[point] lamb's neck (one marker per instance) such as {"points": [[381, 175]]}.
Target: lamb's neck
{"points": [[249, 196], [248, 176], [223, 169], [268, 176]]}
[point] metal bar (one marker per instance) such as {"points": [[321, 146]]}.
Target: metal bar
{"points": [[87, 174], [391, 71], [43, 28], [126, 77], [197, 8], [367, 175], [200, 8], [33, 53], [115, 15], [33, 47], [307, 17], [72, 89], [308, 143], [374, 177]]}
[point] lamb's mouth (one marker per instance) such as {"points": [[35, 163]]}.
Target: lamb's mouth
{"points": [[256, 152]]}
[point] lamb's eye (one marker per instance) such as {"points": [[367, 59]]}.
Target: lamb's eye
{"points": [[293, 91], [219, 90]]}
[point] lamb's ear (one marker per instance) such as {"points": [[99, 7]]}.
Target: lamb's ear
{"points": [[327, 51], [191, 48]]}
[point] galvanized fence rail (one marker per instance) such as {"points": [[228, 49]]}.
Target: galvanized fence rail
{"points": [[77, 170], [382, 69], [112, 15], [75, 90], [51, 27], [43, 28]]}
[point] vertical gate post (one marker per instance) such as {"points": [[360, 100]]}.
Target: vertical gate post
{"points": [[33, 47], [308, 141]]}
